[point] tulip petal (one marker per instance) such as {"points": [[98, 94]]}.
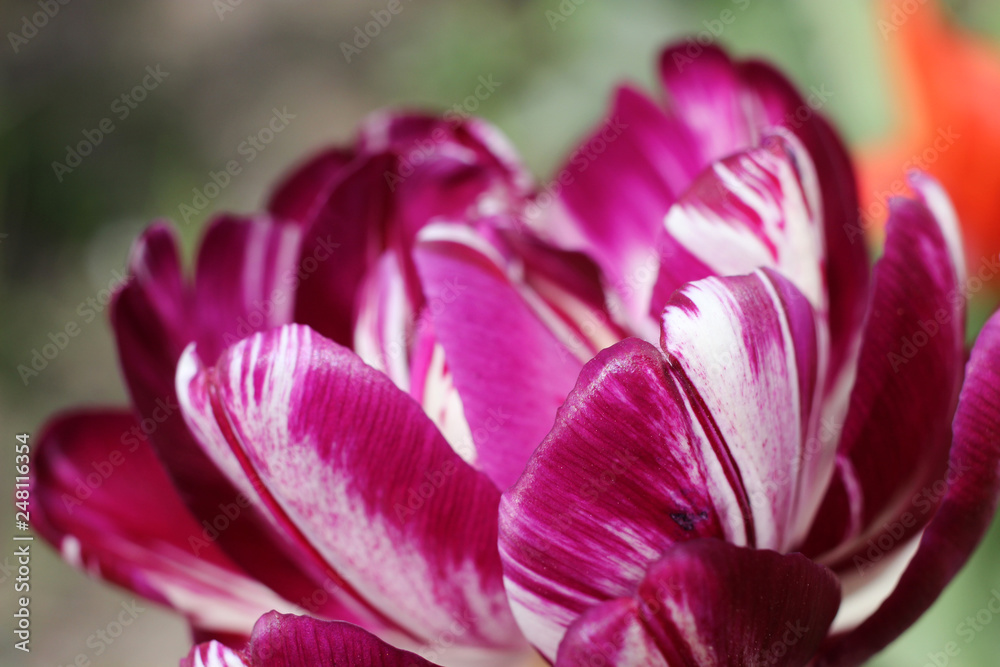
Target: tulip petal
{"points": [[100, 496], [344, 240], [281, 640], [301, 195], [729, 107], [705, 91], [748, 355], [618, 185], [846, 264], [353, 472], [484, 323], [710, 603], [909, 375], [963, 517], [242, 280]]}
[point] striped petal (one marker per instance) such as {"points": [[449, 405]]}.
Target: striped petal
{"points": [[902, 405], [352, 472], [759, 208], [241, 287]]}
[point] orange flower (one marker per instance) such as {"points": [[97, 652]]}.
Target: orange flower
{"points": [[948, 120]]}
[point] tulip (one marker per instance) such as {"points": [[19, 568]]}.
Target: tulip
{"points": [[373, 314], [766, 477]]}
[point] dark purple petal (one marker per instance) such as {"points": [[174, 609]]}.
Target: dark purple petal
{"points": [[244, 280], [908, 379], [707, 603], [300, 196], [973, 485], [340, 247]]}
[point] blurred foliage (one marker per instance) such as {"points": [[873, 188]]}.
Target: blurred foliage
{"points": [[66, 239]]}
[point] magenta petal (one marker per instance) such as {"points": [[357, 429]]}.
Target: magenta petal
{"points": [[340, 246], [281, 640], [619, 480], [619, 185], [300, 196], [510, 370], [244, 280], [909, 375], [352, 472], [973, 479], [100, 496], [707, 94], [712, 604]]}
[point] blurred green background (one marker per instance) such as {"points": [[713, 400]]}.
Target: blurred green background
{"points": [[229, 63]]}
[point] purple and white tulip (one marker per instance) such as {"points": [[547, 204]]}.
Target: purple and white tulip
{"points": [[659, 415]]}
